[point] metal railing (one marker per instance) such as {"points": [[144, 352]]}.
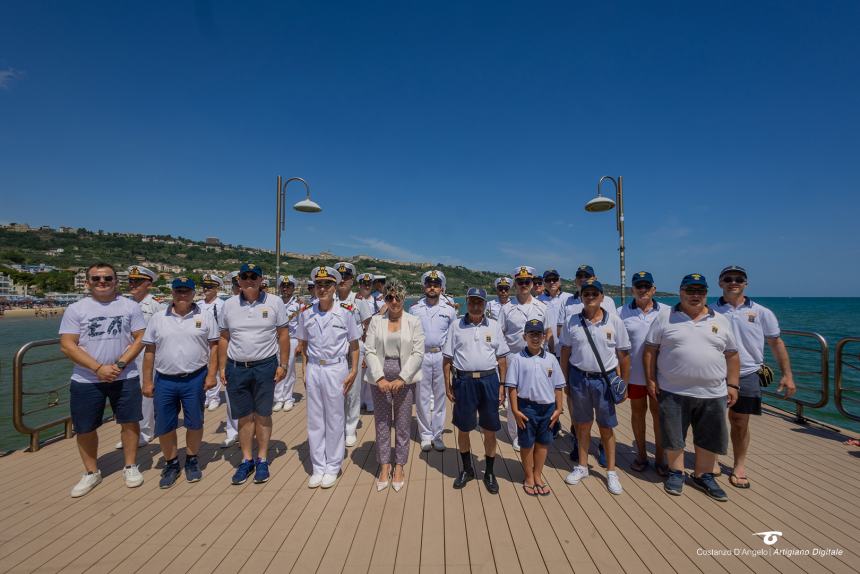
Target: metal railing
{"points": [[839, 393], [823, 350], [19, 393]]}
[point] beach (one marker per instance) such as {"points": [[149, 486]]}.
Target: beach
{"points": [[21, 312]]}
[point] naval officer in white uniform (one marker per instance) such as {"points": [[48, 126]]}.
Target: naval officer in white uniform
{"points": [[211, 303], [436, 318], [503, 295], [328, 333], [231, 425], [371, 308], [284, 400]]}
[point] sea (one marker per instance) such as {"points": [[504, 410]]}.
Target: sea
{"points": [[833, 318]]}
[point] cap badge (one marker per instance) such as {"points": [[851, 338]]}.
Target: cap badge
{"points": [[322, 272], [135, 271], [696, 276], [251, 266], [434, 275], [342, 268], [641, 274]]}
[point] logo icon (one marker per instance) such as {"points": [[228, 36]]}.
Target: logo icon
{"points": [[770, 537]]}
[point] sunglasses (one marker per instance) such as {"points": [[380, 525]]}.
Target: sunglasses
{"points": [[210, 285], [325, 284], [522, 282], [248, 276], [738, 280], [551, 280], [538, 281], [590, 294], [390, 298], [183, 290], [136, 280], [103, 278], [500, 288], [696, 291], [642, 286], [583, 276], [364, 283]]}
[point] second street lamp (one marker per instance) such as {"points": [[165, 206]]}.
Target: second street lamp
{"points": [[602, 203], [306, 205]]}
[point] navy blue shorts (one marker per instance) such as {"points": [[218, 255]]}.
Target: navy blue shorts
{"points": [[172, 393], [591, 400], [537, 427], [87, 403], [476, 403], [252, 389]]}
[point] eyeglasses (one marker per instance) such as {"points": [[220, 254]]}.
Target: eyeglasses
{"points": [[583, 275], [551, 280], [248, 276], [500, 288], [738, 280], [696, 291], [642, 286], [102, 278], [136, 280], [538, 281], [522, 282], [390, 298], [210, 285], [364, 283], [433, 284]]}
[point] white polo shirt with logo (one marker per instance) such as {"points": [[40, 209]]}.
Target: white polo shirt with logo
{"points": [[574, 305], [536, 377], [692, 357], [327, 333], [751, 325], [475, 346], [638, 323], [609, 335], [253, 326], [181, 341], [514, 316]]}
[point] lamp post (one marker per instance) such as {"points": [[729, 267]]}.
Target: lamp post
{"points": [[306, 205], [601, 203]]}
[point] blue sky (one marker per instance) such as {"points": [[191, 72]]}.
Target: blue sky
{"points": [[464, 133]]}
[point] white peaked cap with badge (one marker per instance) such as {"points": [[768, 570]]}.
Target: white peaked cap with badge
{"points": [[503, 281], [524, 272], [343, 268], [323, 273], [232, 275], [210, 278], [434, 275], [286, 279], [140, 272]]}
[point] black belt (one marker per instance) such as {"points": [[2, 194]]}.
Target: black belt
{"points": [[249, 364], [183, 375], [474, 374], [589, 374]]}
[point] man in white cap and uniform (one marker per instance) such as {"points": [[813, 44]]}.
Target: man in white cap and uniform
{"points": [[503, 295], [140, 281], [328, 333], [211, 303], [512, 319], [284, 400], [436, 318], [371, 307], [231, 426]]}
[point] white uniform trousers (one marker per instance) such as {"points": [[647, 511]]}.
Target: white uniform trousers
{"points": [[326, 439], [284, 387], [213, 395], [512, 423], [431, 399], [232, 425], [352, 400], [147, 423], [366, 391]]}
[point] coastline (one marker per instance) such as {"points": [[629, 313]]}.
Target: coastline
{"points": [[39, 313]]}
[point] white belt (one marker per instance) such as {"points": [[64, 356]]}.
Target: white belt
{"points": [[432, 349], [325, 362]]}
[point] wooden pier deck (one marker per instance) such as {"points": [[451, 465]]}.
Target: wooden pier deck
{"points": [[804, 484]]}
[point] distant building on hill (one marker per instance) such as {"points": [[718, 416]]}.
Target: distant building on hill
{"points": [[213, 241]]}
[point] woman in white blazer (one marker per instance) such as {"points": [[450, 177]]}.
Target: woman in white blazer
{"points": [[393, 352]]}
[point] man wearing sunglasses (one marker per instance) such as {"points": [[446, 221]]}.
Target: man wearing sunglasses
{"points": [[537, 286], [513, 318], [253, 354], [752, 326], [102, 336], [503, 295], [554, 298], [212, 304], [692, 369]]}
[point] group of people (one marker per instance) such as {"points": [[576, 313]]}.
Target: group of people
{"points": [[532, 351]]}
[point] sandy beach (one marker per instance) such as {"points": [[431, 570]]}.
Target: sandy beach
{"points": [[52, 312]]}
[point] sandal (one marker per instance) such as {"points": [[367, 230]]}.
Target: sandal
{"points": [[530, 489], [543, 489], [735, 481], [639, 465], [852, 442]]}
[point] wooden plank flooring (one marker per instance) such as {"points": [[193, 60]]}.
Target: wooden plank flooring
{"points": [[805, 484]]}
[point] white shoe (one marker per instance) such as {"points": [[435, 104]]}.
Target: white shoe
{"points": [[382, 485], [426, 444], [315, 480], [516, 444], [278, 406], [613, 483], [86, 483], [328, 480], [397, 486], [288, 406], [438, 444], [132, 476], [578, 473], [351, 439], [213, 405], [228, 442], [141, 442]]}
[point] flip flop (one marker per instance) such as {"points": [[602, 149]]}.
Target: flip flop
{"points": [[734, 481], [530, 489], [543, 489], [852, 442], [639, 465]]}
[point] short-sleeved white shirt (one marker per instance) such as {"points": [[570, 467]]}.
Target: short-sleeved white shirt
{"points": [[214, 308], [293, 308], [350, 303], [691, 360], [253, 326], [327, 333], [573, 305], [513, 318], [475, 347], [493, 309], [536, 377], [637, 324], [751, 325], [435, 320], [181, 342], [104, 331], [609, 335], [554, 306], [149, 307]]}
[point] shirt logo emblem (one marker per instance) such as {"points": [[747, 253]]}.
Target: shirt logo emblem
{"points": [[714, 329], [265, 314], [198, 323], [608, 335], [549, 372], [751, 317], [489, 338]]}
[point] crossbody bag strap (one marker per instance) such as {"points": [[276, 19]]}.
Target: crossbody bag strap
{"points": [[594, 349]]}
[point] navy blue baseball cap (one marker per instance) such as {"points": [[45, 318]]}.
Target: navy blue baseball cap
{"points": [[694, 279], [534, 326], [587, 269], [551, 273], [642, 277], [476, 292], [592, 283], [183, 283], [251, 268]]}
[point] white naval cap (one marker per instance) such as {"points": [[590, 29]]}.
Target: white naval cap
{"points": [[140, 272], [503, 281], [210, 278], [524, 272], [325, 273], [232, 275], [434, 275], [310, 283], [286, 279], [343, 268], [365, 277], [379, 277]]}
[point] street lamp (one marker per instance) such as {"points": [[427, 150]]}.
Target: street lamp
{"points": [[306, 205], [601, 203]]}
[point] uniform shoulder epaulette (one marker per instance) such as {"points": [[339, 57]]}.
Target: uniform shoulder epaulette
{"points": [[347, 306]]}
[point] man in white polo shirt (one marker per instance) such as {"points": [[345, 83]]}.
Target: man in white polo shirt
{"points": [[212, 303], [554, 299], [692, 368], [182, 350], [254, 353], [102, 335], [752, 325], [581, 364], [436, 317]]}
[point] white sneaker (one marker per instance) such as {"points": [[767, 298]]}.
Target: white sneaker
{"points": [[213, 405], [328, 480], [578, 473], [516, 445], [315, 480], [426, 444], [351, 439], [613, 483], [288, 406], [228, 442], [86, 483], [438, 444], [278, 406], [132, 476], [141, 442]]}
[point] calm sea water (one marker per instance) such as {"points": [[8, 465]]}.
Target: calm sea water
{"points": [[834, 318]]}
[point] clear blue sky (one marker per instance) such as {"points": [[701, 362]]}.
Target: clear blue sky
{"points": [[463, 132]]}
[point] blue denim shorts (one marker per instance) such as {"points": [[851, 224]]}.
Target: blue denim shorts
{"points": [[252, 389], [87, 403], [591, 400], [171, 394], [476, 403], [537, 427]]}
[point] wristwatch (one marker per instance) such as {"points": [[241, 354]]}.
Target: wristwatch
{"points": [[285, 367], [120, 364]]}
